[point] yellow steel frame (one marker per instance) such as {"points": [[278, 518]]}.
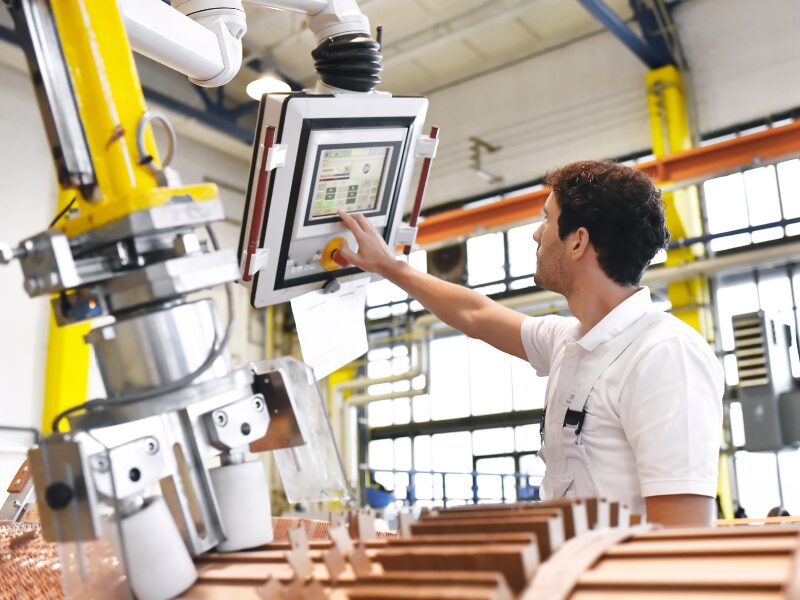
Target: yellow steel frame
{"points": [[691, 300], [111, 105]]}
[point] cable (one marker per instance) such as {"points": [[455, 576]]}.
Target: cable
{"points": [[218, 347], [63, 211]]}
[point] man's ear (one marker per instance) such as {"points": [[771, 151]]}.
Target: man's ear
{"points": [[579, 243]]}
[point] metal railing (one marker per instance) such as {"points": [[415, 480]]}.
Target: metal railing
{"points": [[526, 486]]}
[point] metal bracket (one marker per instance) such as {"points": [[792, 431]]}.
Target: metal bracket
{"points": [[48, 264], [238, 424], [133, 467], [64, 490], [20, 494], [284, 429]]}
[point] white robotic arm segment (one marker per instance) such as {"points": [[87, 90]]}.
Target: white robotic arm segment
{"points": [[306, 7], [328, 18], [203, 38], [204, 43], [161, 33], [225, 19], [340, 17]]}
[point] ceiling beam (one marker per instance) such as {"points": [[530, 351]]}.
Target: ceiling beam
{"points": [[611, 21]]}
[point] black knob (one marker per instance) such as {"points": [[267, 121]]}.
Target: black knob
{"points": [[58, 495], [245, 428]]}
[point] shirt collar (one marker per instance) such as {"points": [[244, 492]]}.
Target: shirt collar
{"points": [[622, 316]]}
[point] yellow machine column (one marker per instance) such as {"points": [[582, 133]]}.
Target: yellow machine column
{"points": [[690, 299], [111, 105]]}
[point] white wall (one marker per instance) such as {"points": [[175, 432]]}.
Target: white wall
{"points": [[745, 57], [587, 100]]}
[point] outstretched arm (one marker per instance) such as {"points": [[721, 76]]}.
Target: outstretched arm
{"points": [[466, 310], [680, 510]]}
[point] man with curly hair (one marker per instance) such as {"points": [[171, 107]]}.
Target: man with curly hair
{"points": [[633, 407]]}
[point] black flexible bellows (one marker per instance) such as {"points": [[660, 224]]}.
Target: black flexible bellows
{"points": [[349, 62]]}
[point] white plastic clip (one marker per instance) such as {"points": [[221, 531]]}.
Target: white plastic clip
{"points": [[406, 235], [258, 261], [276, 157], [426, 147]]}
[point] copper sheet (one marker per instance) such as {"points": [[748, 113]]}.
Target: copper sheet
{"points": [[29, 568]]}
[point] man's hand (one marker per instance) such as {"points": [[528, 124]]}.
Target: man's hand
{"points": [[373, 254]]}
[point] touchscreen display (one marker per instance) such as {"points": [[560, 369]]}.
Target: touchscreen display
{"points": [[348, 179]]}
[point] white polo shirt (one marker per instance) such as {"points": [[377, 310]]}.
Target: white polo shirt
{"points": [[653, 422]]}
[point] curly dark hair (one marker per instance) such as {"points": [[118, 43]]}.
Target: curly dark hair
{"points": [[620, 208]]}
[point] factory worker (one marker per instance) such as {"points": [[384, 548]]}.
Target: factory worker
{"points": [[633, 408]]}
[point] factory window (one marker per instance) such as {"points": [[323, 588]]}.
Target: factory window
{"points": [[384, 299], [764, 198], [486, 263], [452, 468], [468, 378], [521, 256], [764, 201], [495, 264], [472, 387], [385, 362]]}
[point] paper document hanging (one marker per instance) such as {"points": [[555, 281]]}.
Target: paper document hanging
{"points": [[331, 326]]}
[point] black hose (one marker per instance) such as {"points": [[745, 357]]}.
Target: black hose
{"points": [[349, 62]]}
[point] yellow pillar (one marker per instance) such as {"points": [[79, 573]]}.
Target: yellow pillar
{"points": [[669, 124], [691, 299], [67, 367]]}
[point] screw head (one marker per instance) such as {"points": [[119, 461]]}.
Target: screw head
{"points": [[259, 404], [152, 446], [220, 418]]}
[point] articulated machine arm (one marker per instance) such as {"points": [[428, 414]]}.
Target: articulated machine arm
{"points": [[202, 38]]}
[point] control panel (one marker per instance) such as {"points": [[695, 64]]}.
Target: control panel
{"points": [[316, 155]]}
